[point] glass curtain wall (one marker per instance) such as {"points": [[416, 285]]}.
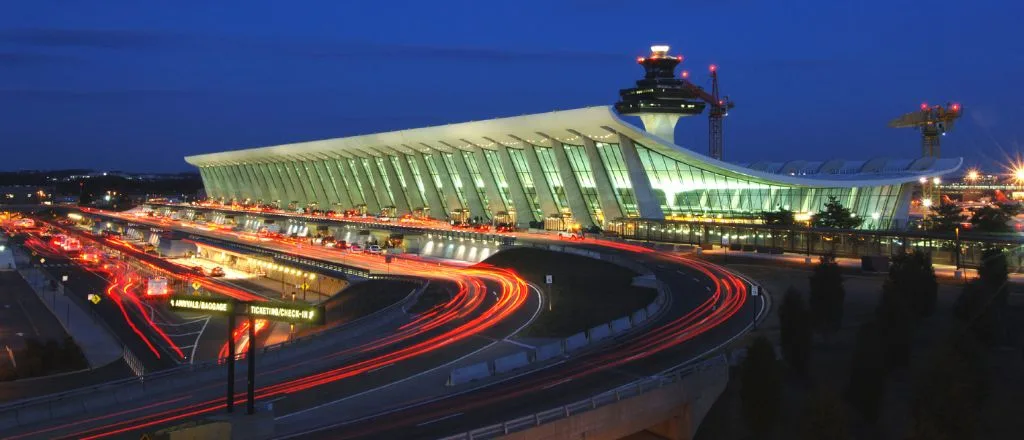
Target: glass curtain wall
{"points": [[478, 180], [418, 178], [494, 163], [546, 157], [438, 183], [580, 165], [449, 163], [526, 180], [384, 177], [611, 157], [683, 190]]}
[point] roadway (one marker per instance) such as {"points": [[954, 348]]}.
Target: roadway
{"points": [[707, 307], [472, 319], [693, 285]]}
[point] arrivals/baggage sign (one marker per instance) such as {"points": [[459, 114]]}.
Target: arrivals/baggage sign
{"points": [[204, 305]]}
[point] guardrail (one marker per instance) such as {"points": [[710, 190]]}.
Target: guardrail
{"points": [[595, 401]]}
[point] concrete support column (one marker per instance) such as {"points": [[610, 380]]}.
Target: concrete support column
{"points": [[259, 185], [336, 182], [524, 210], [307, 174], [577, 204], [442, 172], [646, 203], [372, 206], [495, 202], [205, 177], [326, 183], [346, 182], [398, 192], [253, 188], [476, 206], [383, 197], [227, 181], [548, 205], [605, 190], [277, 188], [433, 192], [302, 196], [416, 198]]}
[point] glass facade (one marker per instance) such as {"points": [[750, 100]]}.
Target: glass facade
{"points": [[546, 157], [683, 187], [436, 177], [453, 172], [585, 178], [526, 180], [494, 163], [478, 180], [615, 166], [416, 177]]}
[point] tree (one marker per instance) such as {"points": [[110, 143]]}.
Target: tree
{"points": [[949, 392], [781, 217], [945, 218], [867, 372], [796, 332], [980, 306], [994, 218], [760, 387], [835, 215], [825, 418], [827, 296], [896, 319], [913, 276]]}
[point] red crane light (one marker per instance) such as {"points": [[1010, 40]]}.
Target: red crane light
{"points": [[713, 68], [684, 74], [956, 107], [924, 106], [680, 58]]}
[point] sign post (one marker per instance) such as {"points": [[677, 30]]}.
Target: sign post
{"points": [[273, 311], [548, 280], [231, 362]]}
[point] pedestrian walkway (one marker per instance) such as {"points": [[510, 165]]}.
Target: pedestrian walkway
{"points": [[99, 346], [941, 270]]}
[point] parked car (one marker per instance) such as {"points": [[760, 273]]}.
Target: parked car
{"points": [[198, 270], [374, 249], [355, 248], [217, 272], [569, 235]]}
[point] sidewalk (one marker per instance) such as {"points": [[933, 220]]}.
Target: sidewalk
{"points": [[98, 345], [941, 270]]}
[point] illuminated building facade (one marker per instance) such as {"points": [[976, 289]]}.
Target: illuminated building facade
{"points": [[581, 167]]}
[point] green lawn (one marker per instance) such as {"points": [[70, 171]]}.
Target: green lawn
{"points": [[586, 292], [364, 298]]}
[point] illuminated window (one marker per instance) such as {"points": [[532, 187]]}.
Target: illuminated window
{"points": [[453, 172], [585, 178], [526, 180], [547, 163], [611, 157], [494, 163], [478, 180]]}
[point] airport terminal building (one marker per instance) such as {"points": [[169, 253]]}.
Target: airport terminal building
{"points": [[569, 168], [585, 166]]}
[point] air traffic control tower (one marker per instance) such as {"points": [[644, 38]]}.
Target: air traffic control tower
{"points": [[660, 98]]}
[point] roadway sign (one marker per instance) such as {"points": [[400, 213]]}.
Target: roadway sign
{"points": [[208, 305], [196, 285], [301, 314], [94, 298], [548, 279]]}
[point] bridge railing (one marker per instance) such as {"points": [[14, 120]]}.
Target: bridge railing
{"points": [[623, 392]]}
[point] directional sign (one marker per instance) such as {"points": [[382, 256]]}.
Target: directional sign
{"points": [[548, 279], [94, 298], [205, 305], [304, 314], [196, 285]]}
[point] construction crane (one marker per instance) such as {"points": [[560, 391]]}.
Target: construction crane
{"points": [[718, 109], [933, 121]]}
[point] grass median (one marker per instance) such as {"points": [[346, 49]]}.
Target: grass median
{"points": [[585, 292]]}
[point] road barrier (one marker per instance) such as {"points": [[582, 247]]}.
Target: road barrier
{"points": [[575, 342], [469, 373], [511, 362], [638, 316], [599, 332], [548, 351], [620, 325], [595, 401]]}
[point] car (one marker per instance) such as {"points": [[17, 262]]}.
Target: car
{"points": [[217, 272], [569, 235], [198, 270], [355, 248], [374, 249]]}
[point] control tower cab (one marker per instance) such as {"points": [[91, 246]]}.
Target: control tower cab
{"points": [[660, 98]]}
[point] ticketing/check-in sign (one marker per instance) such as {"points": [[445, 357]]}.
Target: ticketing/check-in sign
{"points": [[202, 305], [299, 314]]}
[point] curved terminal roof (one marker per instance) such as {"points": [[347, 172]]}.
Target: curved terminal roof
{"points": [[600, 124]]}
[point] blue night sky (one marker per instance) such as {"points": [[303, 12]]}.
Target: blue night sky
{"points": [[137, 85]]}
